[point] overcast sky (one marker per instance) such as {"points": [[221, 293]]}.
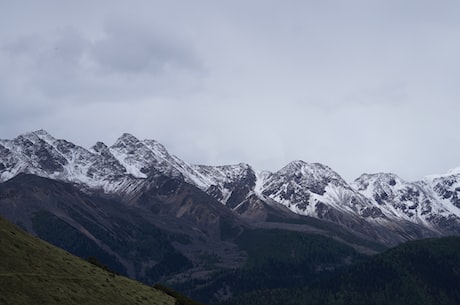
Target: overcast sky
{"points": [[361, 86]]}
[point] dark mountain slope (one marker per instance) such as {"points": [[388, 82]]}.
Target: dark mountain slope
{"points": [[276, 258], [172, 200], [114, 233], [424, 272]]}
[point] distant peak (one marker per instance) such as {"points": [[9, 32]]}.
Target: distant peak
{"points": [[127, 138], [295, 165], [244, 165], [377, 176], [312, 170], [127, 135], [379, 179], [44, 135], [152, 142], [452, 172], [37, 135], [237, 165], [42, 132], [300, 164], [99, 147]]}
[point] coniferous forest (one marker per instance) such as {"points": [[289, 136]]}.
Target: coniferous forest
{"points": [[424, 272]]}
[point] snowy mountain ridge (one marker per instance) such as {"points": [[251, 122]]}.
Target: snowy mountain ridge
{"points": [[309, 189]]}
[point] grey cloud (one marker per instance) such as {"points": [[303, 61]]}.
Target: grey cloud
{"points": [[358, 85], [126, 63], [135, 49], [391, 93]]}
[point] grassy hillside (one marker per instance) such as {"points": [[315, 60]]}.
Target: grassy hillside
{"points": [[35, 272], [425, 272]]}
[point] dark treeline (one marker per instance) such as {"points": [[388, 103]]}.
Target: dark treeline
{"points": [[423, 272]]}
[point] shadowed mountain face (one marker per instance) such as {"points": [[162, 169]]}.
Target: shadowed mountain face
{"points": [[418, 272], [141, 240]]}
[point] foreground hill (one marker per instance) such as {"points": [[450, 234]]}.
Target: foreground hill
{"points": [[424, 272], [35, 272]]}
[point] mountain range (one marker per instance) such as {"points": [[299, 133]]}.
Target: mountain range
{"points": [[125, 169], [152, 216]]}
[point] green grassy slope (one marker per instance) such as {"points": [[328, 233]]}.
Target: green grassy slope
{"points": [[35, 272]]}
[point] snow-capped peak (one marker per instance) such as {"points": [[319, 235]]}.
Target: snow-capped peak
{"points": [[36, 136], [126, 139], [315, 171], [311, 189], [99, 148], [44, 135], [452, 172], [378, 179]]}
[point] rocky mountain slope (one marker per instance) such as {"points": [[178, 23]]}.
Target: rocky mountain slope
{"points": [[166, 231], [372, 203]]}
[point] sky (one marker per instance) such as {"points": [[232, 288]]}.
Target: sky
{"points": [[361, 86]]}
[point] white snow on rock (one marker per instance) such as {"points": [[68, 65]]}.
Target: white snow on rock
{"points": [[310, 189]]}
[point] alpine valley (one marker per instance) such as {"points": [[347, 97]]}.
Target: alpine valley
{"points": [[213, 232]]}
